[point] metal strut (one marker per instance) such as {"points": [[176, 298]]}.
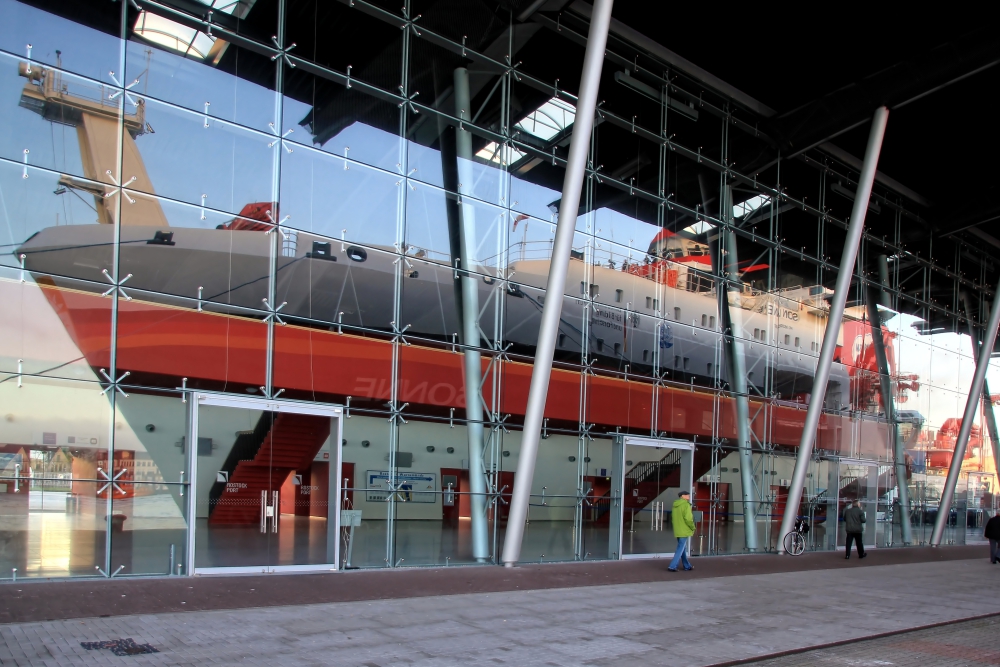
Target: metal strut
{"points": [[556, 284], [836, 316]]}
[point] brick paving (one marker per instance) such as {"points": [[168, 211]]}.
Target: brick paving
{"points": [[963, 644], [678, 621]]}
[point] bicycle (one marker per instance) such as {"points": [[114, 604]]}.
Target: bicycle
{"points": [[795, 541]]}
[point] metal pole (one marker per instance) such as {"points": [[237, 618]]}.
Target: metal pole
{"points": [[725, 260], [576, 164], [971, 405], [734, 317], [470, 321], [837, 304], [888, 402], [988, 414]]}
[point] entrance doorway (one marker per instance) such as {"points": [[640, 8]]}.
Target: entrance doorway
{"points": [[265, 477], [654, 473], [856, 480]]}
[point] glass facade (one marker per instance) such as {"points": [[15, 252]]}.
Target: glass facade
{"points": [[221, 220]]}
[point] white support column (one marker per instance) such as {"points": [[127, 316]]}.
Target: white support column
{"points": [[971, 405], [741, 390], [576, 164], [470, 322], [837, 304]]}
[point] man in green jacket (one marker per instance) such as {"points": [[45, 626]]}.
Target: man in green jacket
{"points": [[683, 522]]}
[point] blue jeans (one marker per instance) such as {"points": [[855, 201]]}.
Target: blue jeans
{"points": [[680, 554]]}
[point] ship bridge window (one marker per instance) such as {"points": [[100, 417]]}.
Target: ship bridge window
{"points": [[711, 321], [796, 341], [595, 291], [562, 340], [677, 313], [788, 339], [618, 295], [649, 302], [704, 320], [618, 349], [600, 345], [645, 355]]}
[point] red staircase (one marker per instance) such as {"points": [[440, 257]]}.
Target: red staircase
{"points": [[290, 445], [645, 481]]}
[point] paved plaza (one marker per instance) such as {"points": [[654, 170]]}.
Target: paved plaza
{"points": [[965, 644], [670, 621]]}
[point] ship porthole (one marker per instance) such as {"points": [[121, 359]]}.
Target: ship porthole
{"points": [[357, 254]]}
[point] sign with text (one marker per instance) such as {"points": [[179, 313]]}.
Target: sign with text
{"points": [[410, 487]]}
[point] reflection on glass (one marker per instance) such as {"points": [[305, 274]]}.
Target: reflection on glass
{"points": [[654, 476], [236, 90], [339, 198], [148, 527], [54, 475], [264, 489]]}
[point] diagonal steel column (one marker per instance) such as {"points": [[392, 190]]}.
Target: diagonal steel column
{"points": [[725, 265], [472, 363], [738, 368], [837, 304], [988, 414], [576, 164], [971, 405], [888, 402]]}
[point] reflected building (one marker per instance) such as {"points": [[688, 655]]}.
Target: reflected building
{"points": [[273, 274]]}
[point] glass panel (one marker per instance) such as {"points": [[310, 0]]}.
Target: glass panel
{"points": [[339, 199], [53, 483], [87, 43], [163, 342], [55, 330], [149, 527], [365, 492], [212, 259], [428, 227], [654, 476], [553, 524], [230, 83], [233, 527], [439, 519], [599, 499], [319, 281], [301, 453], [65, 123], [184, 160]]}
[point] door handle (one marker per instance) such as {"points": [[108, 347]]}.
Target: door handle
{"points": [[274, 513], [263, 511], [17, 478], [268, 511]]}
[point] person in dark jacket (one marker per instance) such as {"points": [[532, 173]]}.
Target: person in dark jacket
{"points": [[992, 533], [854, 522]]}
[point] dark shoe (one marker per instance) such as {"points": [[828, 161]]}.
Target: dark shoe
{"points": [[863, 556], [688, 569], [671, 569], [847, 558]]}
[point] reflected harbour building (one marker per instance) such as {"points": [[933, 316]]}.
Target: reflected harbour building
{"points": [[274, 277]]}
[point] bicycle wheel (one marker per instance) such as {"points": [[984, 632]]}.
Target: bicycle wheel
{"points": [[794, 544]]}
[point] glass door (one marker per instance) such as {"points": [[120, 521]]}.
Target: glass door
{"points": [[266, 479], [855, 480], [980, 504], [654, 474]]}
